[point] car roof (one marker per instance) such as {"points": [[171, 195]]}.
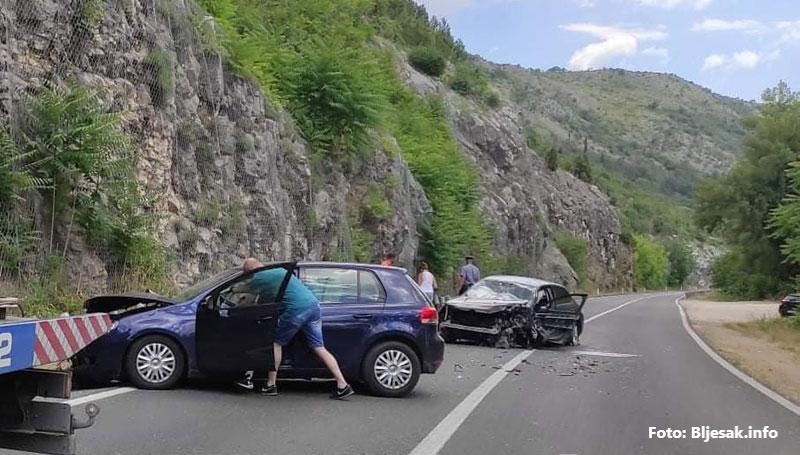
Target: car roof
{"points": [[523, 280], [350, 265]]}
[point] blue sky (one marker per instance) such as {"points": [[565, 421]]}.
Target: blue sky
{"points": [[735, 47]]}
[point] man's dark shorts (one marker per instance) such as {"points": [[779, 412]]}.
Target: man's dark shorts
{"points": [[308, 321]]}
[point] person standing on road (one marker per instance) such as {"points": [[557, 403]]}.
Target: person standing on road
{"points": [[426, 281], [388, 260], [299, 312], [468, 276]]}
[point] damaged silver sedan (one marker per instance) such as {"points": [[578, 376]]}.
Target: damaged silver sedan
{"points": [[506, 311]]}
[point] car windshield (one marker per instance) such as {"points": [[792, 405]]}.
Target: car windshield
{"points": [[202, 285], [500, 290]]}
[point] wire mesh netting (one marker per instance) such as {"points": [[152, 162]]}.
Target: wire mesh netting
{"points": [[132, 157]]}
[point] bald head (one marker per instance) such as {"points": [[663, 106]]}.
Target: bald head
{"points": [[251, 264]]}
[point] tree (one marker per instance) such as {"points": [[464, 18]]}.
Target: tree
{"points": [[681, 263], [739, 206], [650, 263]]}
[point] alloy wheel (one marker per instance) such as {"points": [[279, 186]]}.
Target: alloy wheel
{"points": [[393, 369], [155, 362]]}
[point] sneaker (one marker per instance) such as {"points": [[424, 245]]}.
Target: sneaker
{"points": [[245, 384], [341, 394], [269, 390]]}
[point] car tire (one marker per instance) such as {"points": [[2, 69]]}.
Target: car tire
{"points": [[392, 358], [155, 362], [575, 338]]}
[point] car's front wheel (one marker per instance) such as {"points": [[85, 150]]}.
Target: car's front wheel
{"points": [[391, 369], [155, 362]]}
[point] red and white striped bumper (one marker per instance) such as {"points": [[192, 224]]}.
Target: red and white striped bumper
{"points": [[60, 339]]}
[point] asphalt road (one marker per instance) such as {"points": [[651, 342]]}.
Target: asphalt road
{"points": [[558, 401]]}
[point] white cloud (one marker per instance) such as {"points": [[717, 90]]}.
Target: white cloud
{"points": [[716, 25], [789, 30], [584, 3], [659, 52], [614, 42], [670, 4], [714, 61], [745, 59]]}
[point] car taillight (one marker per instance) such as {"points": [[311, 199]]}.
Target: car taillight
{"points": [[428, 315]]}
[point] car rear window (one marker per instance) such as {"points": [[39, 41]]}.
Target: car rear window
{"points": [[400, 288]]}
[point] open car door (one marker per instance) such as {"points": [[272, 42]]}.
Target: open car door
{"points": [[236, 322]]}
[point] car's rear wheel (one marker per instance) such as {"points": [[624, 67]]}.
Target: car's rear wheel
{"points": [[155, 362], [575, 339], [391, 369]]}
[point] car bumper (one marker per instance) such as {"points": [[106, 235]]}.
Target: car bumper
{"points": [[434, 357], [468, 328]]}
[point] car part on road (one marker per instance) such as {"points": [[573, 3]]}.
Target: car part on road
{"points": [[391, 369], [155, 362]]}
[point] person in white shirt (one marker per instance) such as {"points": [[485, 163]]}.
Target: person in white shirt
{"points": [[426, 281]]}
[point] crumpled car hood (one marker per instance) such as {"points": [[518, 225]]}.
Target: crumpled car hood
{"points": [[110, 303], [483, 305]]}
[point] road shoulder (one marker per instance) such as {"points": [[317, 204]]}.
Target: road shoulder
{"points": [[728, 328]]}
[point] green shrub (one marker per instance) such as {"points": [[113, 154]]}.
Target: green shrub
{"points": [[376, 206], [428, 60], [208, 212], [469, 80], [334, 98], [650, 263], [551, 158], [492, 99], [681, 263], [575, 249], [160, 76]]}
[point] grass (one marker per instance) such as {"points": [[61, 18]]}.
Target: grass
{"points": [[783, 332]]}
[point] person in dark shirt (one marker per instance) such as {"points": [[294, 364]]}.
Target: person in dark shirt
{"points": [[299, 312], [468, 275]]}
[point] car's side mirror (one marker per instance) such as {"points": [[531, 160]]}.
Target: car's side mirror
{"points": [[209, 302]]}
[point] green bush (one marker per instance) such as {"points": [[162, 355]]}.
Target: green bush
{"points": [[492, 99], [575, 249], [50, 293], [428, 60], [160, 76], [469, 80], [551, 158], [335, 99], [650, 263], [681, 263], [376, 206]]}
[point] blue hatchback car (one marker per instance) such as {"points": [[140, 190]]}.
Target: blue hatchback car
{"points": [[376, 322]]}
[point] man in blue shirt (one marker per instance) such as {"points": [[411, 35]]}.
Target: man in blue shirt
{"points": [[299, 312], [468, 275]]}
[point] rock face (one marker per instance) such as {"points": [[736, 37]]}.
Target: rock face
{"points": [[231, 177], [528, 201]]}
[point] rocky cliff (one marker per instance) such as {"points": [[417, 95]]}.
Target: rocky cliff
{"points": [[231, 176]]}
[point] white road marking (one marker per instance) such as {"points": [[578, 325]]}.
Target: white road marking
{"points": [[619, 307], [604, 354], [99, 396], [439, 436], [441, 433], [732, 369]]}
